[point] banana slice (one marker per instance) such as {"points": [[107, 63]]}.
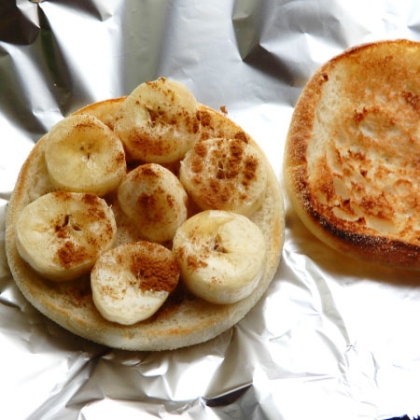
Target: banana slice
{"points": [[84, 155], [62, 233], [154, 199], [158, 121], [132, 281], [221, 254], [225, 174]]}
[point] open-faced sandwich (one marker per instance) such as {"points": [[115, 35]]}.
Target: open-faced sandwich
{"points": [[352, 160], [147, 222]]}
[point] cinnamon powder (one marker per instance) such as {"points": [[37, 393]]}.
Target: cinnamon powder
{"points": [[156, 269]]}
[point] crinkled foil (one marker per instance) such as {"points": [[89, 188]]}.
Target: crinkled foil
{"points": [[332, 339]]}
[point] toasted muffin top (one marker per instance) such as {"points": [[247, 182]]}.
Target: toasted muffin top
{"points": [[353, 149]]}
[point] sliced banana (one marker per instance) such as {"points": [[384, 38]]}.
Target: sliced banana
{"points": [[221, 254], [225, 174], [132, 281], [84, 155], [61, 234], [158, 121], [154, 199]]}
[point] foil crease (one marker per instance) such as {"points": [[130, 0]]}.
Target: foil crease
{"points": [[331, 339]]}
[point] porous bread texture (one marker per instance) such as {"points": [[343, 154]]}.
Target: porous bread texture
{"points": [[183, 320], [353, 150]]}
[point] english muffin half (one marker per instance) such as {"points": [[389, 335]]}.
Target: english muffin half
{"points": [[353, 152], [184, 319]]}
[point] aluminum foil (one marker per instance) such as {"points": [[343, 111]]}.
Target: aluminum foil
{"points": [[332, 339]]}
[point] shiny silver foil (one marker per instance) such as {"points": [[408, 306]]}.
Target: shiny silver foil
{"points": [[332, 339]]}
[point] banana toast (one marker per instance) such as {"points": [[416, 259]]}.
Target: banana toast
{"points": [[183, 318]]}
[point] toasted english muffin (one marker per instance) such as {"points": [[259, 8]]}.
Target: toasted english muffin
{"points": [[184, 319], [353, 150]]}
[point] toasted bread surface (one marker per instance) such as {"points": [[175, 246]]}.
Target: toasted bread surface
{"points": [[184, 319], [353, 150]]}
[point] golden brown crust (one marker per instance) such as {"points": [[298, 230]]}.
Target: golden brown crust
{"points": [[352, 153], [184, 319]]}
